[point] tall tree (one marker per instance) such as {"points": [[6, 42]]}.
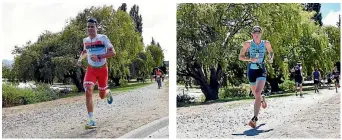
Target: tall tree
{"points": [[153, 42], [54, 55], [134, 13], [317, 8], [339, 21], [210, 36], [157, 55], [123, 7]]}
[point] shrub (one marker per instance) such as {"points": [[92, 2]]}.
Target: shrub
{"points": [[233, 92], [123, 82], [288, 85], [11, 95], [183, 99], [45, 93]]}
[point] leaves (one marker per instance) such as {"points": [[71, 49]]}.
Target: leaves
{"points": [[213, 34], [54, 55]]}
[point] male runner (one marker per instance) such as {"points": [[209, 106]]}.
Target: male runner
{"points": [[298, 77], [256, 70], [316, 74], [97, 48]]}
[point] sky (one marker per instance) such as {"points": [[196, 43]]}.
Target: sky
{"points": [[330, 12], [26, 21]]}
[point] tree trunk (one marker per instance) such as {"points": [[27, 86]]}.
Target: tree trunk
{"points": [[77, 83], [116, 81], [225, 79], [210, 90]]}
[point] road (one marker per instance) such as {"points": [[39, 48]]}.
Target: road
{"points": [[65, 118], [316, 115]]}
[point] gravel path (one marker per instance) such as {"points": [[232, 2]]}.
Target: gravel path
{"points": [[285, 117], [65, 118]]}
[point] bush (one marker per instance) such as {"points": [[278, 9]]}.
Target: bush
{"points": [[45, 93], [288, 85], [123, 82], [233, 92], [183, 99], [11, 95], [74, 88]]}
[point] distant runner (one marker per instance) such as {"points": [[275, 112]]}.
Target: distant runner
{"points": [[298, 77], [316, 74], [336, 75]]}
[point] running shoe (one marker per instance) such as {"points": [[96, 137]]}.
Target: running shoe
{"points": [[110, 98], [90, 124]]}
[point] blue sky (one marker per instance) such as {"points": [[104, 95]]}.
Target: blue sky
{"points": [[327, 7], [330, 12]]}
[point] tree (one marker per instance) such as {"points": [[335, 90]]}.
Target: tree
{"points": [[317, 8], [127, 45], [157, 55], [338, 24], [204, 33], [153, 42], [8, 73], [123, 7], [142, 64], [134, 13], [210, 36], [54, 55]]}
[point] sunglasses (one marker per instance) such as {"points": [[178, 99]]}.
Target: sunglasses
{"points": [[90, 26]]}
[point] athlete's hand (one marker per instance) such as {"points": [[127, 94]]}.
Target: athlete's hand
{"points": [[94, 58]]}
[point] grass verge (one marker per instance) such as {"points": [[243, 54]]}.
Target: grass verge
{"points": [[306, 90]]}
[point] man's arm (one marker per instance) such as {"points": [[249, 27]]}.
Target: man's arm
{"points": [[243, 51], [83, 53]]}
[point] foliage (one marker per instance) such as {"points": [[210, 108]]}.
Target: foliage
{"points": [[53, 56], [210, 36], [288, 85]]}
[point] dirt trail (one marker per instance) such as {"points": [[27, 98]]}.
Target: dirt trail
{"points": [[317, 115], [65, 118]]}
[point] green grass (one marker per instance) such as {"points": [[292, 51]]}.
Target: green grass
{"points": [[167, 83], [306, 90]]}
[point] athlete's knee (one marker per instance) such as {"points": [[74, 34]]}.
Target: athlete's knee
{"points": [[88, 88], [257, 96]]}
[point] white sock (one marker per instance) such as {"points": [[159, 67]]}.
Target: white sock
{"points": [[90, 115]]}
